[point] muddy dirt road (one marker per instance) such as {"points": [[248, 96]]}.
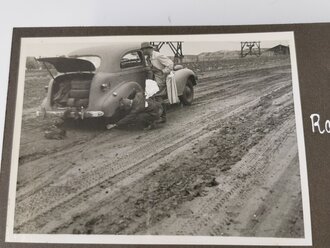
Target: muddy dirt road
{"points": [[227, 165]]}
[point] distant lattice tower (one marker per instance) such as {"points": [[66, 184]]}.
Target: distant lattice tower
{"points": [[253, 48], [175, 46]]}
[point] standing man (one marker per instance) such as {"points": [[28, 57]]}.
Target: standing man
{"points": [[161, 66]]}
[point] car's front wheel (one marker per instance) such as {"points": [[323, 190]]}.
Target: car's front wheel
{"points": [[187, 96]]}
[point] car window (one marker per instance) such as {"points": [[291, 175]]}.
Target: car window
{"points": [[131, 59]]}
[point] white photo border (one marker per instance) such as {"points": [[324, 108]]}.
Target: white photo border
{"points": [[159, 239]]}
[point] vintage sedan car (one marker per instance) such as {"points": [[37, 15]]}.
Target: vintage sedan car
{"points": [[90, 82]]}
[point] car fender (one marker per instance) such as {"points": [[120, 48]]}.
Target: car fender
{"points": [[181, 77], [123, 90]]}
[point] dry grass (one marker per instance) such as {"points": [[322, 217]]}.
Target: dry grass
{"points": [[34, 88]]}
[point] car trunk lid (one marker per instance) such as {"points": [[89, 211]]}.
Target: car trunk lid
{"points": [[67, 64]]}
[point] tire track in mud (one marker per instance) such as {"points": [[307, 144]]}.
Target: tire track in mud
{"points": [[209, 80], [45, 169], [41, 171], [97, 141], [246, 72], [215, 126], [216, 199], [190, 224], [293, 223], [119, 165], [212, 214], [265, 218], [123, 172], [212, 86], [230, 88], [91, 179]]}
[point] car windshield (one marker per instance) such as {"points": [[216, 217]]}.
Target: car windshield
{"points": [[95, 60]]}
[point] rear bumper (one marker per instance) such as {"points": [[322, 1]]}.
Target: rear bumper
{"points": [[70, 113]]}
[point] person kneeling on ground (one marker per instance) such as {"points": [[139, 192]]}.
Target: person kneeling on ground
{"points": [[141, 111]]}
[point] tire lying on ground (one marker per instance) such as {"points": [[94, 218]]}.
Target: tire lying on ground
{"points": [[187, 96]]}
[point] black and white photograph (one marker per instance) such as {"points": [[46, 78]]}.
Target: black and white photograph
{"points": [[159, 139]]}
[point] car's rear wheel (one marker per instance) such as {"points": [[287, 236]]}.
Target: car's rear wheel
{"points": [[188, 93]]}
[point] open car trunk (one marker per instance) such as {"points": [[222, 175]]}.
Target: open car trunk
{"points": [[71, 90]]}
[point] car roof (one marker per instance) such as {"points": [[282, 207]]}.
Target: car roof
{"points": [[110, 54]]}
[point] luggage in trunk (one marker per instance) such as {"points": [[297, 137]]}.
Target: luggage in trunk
{"points": [[72, 91]]}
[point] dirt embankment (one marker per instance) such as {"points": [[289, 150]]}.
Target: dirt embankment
{"points": [[227, 165]]}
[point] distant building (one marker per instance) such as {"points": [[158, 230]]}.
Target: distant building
{"points": [[278, 50]]}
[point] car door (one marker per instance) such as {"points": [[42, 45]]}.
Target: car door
{"points": [[133, 67]]}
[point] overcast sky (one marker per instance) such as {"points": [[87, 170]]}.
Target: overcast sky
{"points": [[189, 48]]}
